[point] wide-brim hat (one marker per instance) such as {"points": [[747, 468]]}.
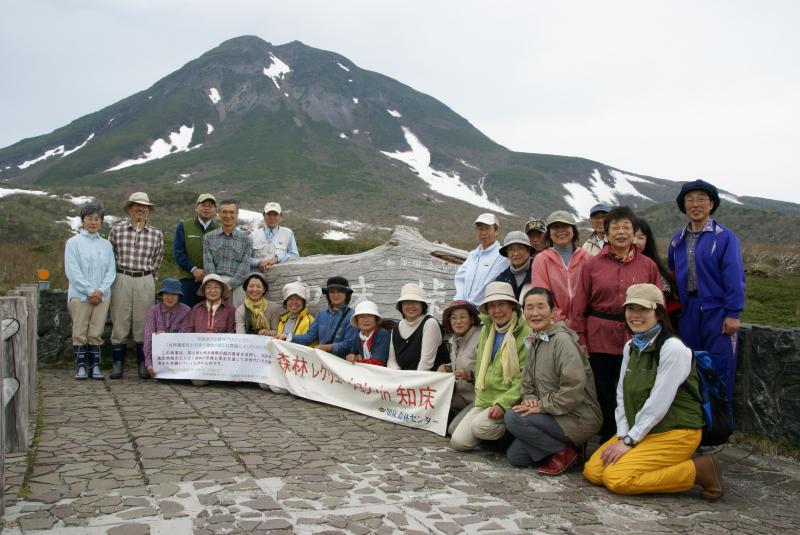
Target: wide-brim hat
{"points": [[560, 216], [535, 225], [138, 197], [697, 185], [226, 291], [339, 283], [411, 292], [646, 295], [460, 305], [499, 291], [294, 288], [364, 308], [170, 286], [260, 276], [518, 237]]}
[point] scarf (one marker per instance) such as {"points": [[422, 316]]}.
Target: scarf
{"points": [[642, 340], [535, 336], [212, 311], [520, 272], [623, 259], [366, 343], [257, 311], [506, 354]]}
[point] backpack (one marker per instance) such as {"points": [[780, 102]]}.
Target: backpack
{"points": [[716, 407]]}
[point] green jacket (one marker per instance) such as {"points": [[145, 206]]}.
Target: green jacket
{"points": [[494, 391], [192, 245]]}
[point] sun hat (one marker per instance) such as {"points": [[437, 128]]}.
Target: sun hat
{"points": [[138, 197], [535, 225], [460, 304], [698, 185], [499, 291], [339, 283], [560, 216], [294, 288], [515, 236], [364, 308], [487, 219], [170, 286], [646, 295], [226, 292], [260, 276], [411, 292], [272, 207], [206, 197], [599, 207]]}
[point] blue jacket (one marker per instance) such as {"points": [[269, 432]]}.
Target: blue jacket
{"points": [[89, 265], [322, 328], [380, 345], [719, 267]]}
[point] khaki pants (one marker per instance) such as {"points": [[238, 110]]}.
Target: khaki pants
{"points": [[661, 462], [88, 321], [476, 425], [130, 299]]}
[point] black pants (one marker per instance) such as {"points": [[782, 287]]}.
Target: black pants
{"points": [[605, 368]]}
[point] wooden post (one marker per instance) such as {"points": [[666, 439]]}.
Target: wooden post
{"points": [[2, 421], [15, 364], [31, 294]]}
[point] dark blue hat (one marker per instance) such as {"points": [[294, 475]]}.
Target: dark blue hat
{"points": [[698, 185], [599, 207], [170, 286], [339, 283]]}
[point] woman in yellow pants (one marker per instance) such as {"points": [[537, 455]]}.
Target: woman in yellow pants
{"points": [[659, 422]]}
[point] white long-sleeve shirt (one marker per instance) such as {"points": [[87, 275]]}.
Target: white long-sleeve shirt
{"points": [[431, 339], [481, 267]]}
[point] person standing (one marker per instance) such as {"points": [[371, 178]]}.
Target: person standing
{"points": [[89, 265], [483, 264], [273, 243], [227, 251], [535, 229], [139, 249], [187, 249], [707, 261], [597, 240], [519, 252]]}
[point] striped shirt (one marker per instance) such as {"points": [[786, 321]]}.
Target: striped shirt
{"points": [[228, 254], [135, 250]]}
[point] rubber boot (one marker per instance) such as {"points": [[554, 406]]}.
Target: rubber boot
{"points": [[80, 362], [119, 351], [94, 367], [140, 360]]}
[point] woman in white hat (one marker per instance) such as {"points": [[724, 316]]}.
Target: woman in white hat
{"points": [[659, 418], [416, 339], [372, 344], [501, 357], [296, 319]]}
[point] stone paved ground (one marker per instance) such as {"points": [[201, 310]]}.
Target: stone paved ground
{"points": [[136, 457]]}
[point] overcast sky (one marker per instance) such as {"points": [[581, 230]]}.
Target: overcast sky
{"points": [[678, 90]]}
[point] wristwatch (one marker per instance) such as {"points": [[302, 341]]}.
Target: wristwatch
{"points": [[628, 441]]}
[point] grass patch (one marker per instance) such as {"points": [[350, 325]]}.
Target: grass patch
{"points": [[767, 445], [773, 301]]}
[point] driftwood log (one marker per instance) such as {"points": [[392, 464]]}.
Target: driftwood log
{"points": [[15, 364], [31, 294], [378, 274]]}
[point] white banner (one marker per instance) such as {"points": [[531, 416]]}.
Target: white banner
{"points": [[411, 398]]}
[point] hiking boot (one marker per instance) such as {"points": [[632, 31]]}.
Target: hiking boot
{"points": [[559, 462], [94, 369], [80, 362], [708, 475], [119, 351], [142, 369]]}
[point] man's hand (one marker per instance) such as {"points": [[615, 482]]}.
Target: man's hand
{"points": [[496, 412], [731, 326], [263, 266]]}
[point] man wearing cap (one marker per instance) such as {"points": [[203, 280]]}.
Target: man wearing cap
{"points": [[273, 243], [187, 249], [138, 250], [707, 261], [483, 264], [597, 240], [535, 229], [227, 251]]}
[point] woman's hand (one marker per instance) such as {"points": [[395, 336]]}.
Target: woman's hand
{"points": [[263, 332], [352, 358], [614, 452], [496, 412], [282, 336], [442, 368], [325, 347], [464, 375], [528, 406]]}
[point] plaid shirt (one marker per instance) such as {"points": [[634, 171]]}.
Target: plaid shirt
{"points": [[228, 254], [137, 251]]}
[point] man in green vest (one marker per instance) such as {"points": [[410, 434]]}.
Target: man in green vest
{"points": [[188, 246]]}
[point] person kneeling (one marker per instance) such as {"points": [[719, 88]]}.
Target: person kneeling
{"points": [[559, 407], [659, 420], [501, 355], [372, 344], [168, 316]]}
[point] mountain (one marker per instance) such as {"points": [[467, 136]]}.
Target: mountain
{"points": [[334, 143]]}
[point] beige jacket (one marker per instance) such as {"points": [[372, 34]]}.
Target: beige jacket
{"points": [[557, 374], [462, 357]]}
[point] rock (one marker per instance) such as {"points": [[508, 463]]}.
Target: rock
{"points": [[130, 529]]}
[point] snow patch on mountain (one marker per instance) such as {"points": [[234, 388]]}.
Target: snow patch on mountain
{"points": [[582, 198], [632, 178], [355, 100], [394, 113], [342, 66], [178, 142], [623, 186], [276, 70], [78, 200], [347, 224], [343, 135], [450, 185], [58, 151], [213, 94], [336, 235], [250, 219], [209, 128], [730, 198], [467, 164], [413, 218], [5, 192]]}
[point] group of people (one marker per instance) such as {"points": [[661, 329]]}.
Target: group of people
{"points": [[536, 337]]}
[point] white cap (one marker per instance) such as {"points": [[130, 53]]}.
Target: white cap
{"points": [[272, 207], [487, 219], [364, 307]]}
